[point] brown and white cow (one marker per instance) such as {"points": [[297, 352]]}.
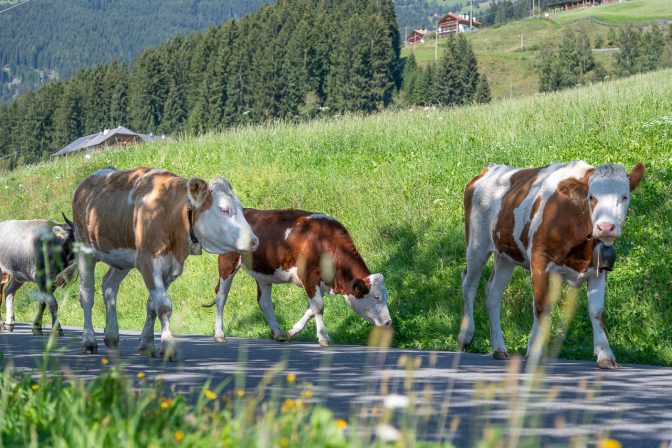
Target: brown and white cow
{"points": [[548, 220], [149, 219], [310, 250]]}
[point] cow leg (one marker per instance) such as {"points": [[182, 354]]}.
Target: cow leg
{"points": [[37, 321], [301, 324], [53, 310], [220, 301], [147, 335], [87, 282], [157, 272], [596, 290], [264, 290], [540, 279], [111, 282], [476, 259], [10, 290], [2, 295], [496, 285], [316, 305]]}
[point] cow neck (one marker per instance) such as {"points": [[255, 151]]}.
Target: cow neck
{"points": [[349, 266]]}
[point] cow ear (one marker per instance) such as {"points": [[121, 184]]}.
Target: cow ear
{"points": [[635, 176], [197, 191], [574, 189], [359, 287], [60, 233]]}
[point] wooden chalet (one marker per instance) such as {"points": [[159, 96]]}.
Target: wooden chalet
{"points": [[566, 5], [455, 23], [416, 37]]}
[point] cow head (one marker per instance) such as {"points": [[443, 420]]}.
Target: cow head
{"points": [[607, 192], [218, 221], [54, 255], [369, 300]]}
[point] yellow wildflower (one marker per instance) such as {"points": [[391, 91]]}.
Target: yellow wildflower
{"points": [[288, 405], [140, 374], [307, 394], [284, 441], [165, 403], [341, 424], [240, 393], [609, 443], [210, 395], [179, 435], [375, 410], [35, 386], [291, 378], [105, 361]]}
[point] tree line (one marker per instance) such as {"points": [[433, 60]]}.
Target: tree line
{"points": [[570, 62], [452, 81], [58, 37], [292, 60]]}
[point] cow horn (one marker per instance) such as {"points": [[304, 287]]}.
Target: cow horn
{"points": [[67, 221]]}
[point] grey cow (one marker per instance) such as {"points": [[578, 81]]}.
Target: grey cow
{"points": [[37, 251]]}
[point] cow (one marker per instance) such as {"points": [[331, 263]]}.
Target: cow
{"points": [[548, 220], [38, 251], [310, 250], [150, 220]]}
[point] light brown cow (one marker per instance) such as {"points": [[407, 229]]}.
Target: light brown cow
{"points": [[548, 220], [310, 250], [149, 219]]}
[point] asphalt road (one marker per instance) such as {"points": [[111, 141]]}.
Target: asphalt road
{"points": [[573, 402]]}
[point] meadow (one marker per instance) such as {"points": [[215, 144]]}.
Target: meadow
{"points": [[511, 69], [395, 180]]}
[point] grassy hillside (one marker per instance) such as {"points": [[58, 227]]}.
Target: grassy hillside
{"points": [[510, 69], [396, 181], [630, 11]]}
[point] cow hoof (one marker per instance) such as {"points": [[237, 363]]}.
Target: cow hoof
{"points": [[90, 348], [220, 339], [501, 355], [281, 337], [464, 347], [60, 332], [325, 342], [169, 354], [607, 364], [146, 351], [37, 331], [111, 343]]}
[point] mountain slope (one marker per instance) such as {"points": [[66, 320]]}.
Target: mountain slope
{"points": [[395, 180], [54, 38]]}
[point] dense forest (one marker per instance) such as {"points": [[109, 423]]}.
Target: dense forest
{"points": [[289, 61], [44, 39]]}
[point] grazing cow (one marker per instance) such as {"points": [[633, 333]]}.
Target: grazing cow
{"points": [[548, 220], [310, 250], [35, 251], [151, 220]]}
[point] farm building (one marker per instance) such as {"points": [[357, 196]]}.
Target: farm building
{"points": [[416, 37], [454, 23], [108, 137], [573, 4]]}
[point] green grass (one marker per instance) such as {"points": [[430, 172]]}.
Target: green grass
{"points": [[630, 11], [396, 181]]}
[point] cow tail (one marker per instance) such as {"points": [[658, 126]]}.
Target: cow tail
{"points": [[67, 275]]}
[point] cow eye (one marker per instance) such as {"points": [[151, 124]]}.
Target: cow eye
{"points": [[226, 210], [625, 197], [376, 297], [590, 198]]}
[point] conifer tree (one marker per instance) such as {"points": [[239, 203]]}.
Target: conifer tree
{"points": [[482, 94]]}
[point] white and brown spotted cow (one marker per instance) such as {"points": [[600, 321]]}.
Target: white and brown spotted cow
{"points": [[310, 250], [149, 219], [548, 220]]}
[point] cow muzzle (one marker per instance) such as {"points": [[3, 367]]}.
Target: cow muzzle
{"points": [[606, 232]]}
